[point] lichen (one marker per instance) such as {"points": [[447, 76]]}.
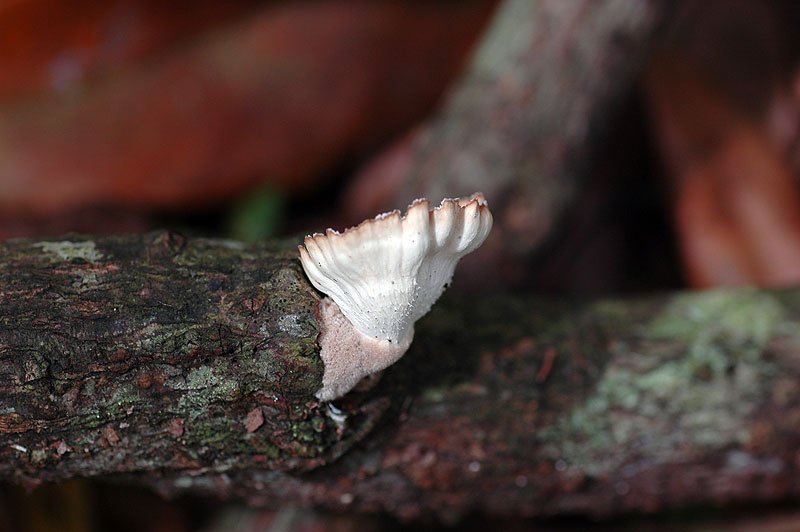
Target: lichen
{"points": [[205, 385], [67, 250], [665, 404], [741, 320], [293, 325]]}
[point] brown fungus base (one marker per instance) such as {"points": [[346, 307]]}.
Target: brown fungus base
{"points": [[349, 355]]}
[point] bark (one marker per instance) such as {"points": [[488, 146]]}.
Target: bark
{"points": [[191, 365], [157, 353]]}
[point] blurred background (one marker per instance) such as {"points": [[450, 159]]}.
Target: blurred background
{"points": [[624, 146]]}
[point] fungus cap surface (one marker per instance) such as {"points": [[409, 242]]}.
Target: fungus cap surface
{"points": [[388, 271]]}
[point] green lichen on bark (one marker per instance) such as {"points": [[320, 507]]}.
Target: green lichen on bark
{"points": [[542, 407], [666, 399]]}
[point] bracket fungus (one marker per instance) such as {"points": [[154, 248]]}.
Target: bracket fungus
{"points": [[381, 277]]}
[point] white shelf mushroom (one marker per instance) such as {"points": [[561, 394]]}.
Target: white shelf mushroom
{"points": [[381, 277]]}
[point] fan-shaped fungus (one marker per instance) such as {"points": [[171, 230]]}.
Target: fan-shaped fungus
{"points": [[381, 277]]}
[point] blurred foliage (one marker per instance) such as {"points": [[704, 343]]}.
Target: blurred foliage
{"points": [[258, 215]]}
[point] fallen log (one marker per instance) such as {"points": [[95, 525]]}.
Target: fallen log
{"points": [[190, 365]]}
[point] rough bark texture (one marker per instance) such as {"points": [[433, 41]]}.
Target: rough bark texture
{"points": [[191, 365], [156, 353]]}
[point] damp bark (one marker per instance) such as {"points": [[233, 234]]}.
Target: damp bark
{"points": [[190, 365], [154, 352]]}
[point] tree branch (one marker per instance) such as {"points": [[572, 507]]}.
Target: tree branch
{"points": [[191, 365], [522, 123], [157, 353]]}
